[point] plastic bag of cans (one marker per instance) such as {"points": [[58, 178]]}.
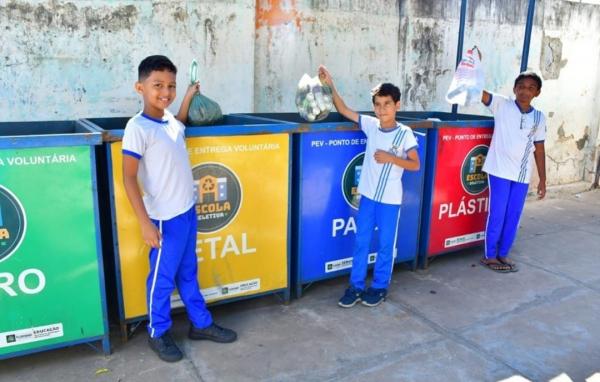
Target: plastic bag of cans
{"points": [[313, 99]]}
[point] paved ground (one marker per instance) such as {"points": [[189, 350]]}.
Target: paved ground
{"points": [[455, 321]]}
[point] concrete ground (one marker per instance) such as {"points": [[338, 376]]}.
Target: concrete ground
{"points": [[455, 321]]}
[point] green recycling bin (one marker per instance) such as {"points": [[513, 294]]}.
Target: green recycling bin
{"points": [[51, 273]]}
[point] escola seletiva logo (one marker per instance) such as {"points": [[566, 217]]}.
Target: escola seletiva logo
{"points": [[350, 180], [473, 179], [13, 223]]}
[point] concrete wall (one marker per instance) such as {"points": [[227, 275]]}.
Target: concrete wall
{"points": [[72, 59], [566, 51]]}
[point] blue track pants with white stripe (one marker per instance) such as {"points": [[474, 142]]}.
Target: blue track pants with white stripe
{"points": [[507, 199], [172, 265], [373, 214]]}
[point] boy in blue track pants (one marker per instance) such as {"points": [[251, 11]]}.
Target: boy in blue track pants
{"points": [[518, 140], [391, 148], [154, 152]]}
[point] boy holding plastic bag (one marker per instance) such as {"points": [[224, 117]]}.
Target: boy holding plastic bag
{"points": [[391, 149], [517, 141]]}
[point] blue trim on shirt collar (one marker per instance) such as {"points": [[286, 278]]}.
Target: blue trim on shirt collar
{"points": [[389, 130], [531, 108], [161, 121]]}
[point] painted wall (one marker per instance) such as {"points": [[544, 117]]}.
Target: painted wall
{"points": [[566, 51], [73, 59]]}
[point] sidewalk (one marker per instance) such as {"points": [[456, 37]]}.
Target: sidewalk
{"points": [[455, 321]]}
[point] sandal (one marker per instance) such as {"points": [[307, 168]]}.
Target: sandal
{"points": [[511, 264], [495, 265]]}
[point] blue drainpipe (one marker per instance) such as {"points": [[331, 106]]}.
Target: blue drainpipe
{"points": [[461, 38]]}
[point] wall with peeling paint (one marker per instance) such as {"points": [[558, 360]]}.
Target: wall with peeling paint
{"points": [[566, 51], [72, 59], [294, 37]]}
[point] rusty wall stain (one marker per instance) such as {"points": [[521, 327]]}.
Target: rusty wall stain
{"points": [[270, 13]]}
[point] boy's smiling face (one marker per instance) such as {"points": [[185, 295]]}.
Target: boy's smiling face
{"points": [[158, 91], [385, 110], [525, 91]]}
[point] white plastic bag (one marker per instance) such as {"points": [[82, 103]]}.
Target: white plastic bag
{"points": [[468, 81], [313, 99]]}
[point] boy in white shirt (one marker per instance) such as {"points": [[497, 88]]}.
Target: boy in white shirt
{"points": [[391, 148], [518, 140], [154, 152]]}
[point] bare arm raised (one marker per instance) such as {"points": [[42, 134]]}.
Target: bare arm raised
{"points": [[486, 97], [338, 102]]}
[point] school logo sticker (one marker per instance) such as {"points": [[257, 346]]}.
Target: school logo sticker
{"points": [[350, 180], [13, 223], [473, 179], [219, 196]]}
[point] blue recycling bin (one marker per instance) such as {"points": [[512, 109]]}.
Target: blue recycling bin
{"points": [[328, 157]]}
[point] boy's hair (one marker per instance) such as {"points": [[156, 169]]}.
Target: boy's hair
{"points": [[386, 89], [532, 75], [155, 63]]}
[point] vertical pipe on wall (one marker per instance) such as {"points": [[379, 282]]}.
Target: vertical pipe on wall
{"points": [[527, 40], [461, 38]]}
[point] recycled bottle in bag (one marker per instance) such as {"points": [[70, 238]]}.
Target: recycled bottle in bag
{"points": [[203, 110], [468, 81], [314, 100]]}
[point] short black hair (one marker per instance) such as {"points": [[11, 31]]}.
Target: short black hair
{"points": [[386, 89], [155, 63], [532, 75]]}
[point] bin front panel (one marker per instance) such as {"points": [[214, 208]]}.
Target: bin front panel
{"points": [[330, 165], [242, 187], [49, 277], [460, 190]]}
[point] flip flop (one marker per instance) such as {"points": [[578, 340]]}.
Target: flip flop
{"points": [[511, 264], [496, 266]]}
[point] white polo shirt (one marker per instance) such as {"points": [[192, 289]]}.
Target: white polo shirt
{"points": [[382, 182], [511, 152], [164, 169]]}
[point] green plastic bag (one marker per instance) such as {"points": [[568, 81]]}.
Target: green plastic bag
{"points": [[203, 110]]}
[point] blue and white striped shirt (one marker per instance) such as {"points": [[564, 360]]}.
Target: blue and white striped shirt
{"points": [[382, 182]]}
